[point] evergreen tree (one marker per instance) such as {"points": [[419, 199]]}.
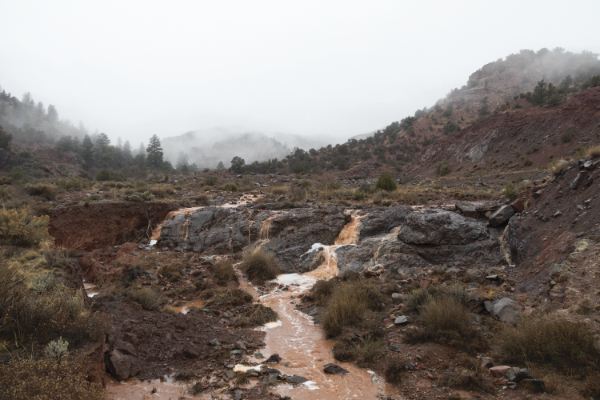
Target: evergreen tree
{"points": [[102, 149], [52, 114], [155, 153], [220, 165], [140, 157], [127, 151], [87, 152], [237, 164]]}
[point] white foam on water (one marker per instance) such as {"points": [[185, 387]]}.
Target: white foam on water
{"points": [[313, 248], [245, 368], [153, 242], [270, 325], [300, 281], [311, 385]]}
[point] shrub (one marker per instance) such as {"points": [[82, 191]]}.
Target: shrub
{"points": [[230, 187], [591, 388], [442, 168], [510, 192], [41, 189], [19, 175], [170, 272], [321, 291], [259, 265], [45, 379], [5, 180], [386, 182], [527, 162], [141, 185], [366, 188], [43, 283], [386, 203], [22, 227], [358, 195], [333, 185], [71, 184], [96, 197], [369, 351], [235, 297], [257, 315], [279, 190], [549, 339], [161, 191], [211, 180], [344, 308], [223, 272], [103, 176], [593, 151], [146, 196], [395, 366], [203, 199], [567, 136], [149, 299], [416, 299], [56, 348], [344, 349]]}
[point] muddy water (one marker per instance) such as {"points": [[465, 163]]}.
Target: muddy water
{"points": [[156, 232], [301, 344]]}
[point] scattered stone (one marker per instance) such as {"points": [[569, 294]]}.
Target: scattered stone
{"points": [[578, 179], [492, 277], [274, 359], [486, 363], [537, 194], [467, 209], [501, 215], [295, 379], [520, 375], [334, 369], [397, 296], [499, 370], [258, 355], [557, 214], [518, 206], [401, 320]]}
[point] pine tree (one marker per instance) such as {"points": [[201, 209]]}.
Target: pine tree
{"points": [[155, 153], [220, 165], [87, 152]]}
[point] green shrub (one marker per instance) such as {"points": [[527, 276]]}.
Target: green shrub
{"points": [[358, 195], [41, 189], [43, 283], [230, 187], [510, 192], [56, 348], [96, 197], [259, 265], [103, 176], [548, 339], [442, 168], [46, 379], [386, 203], [386, 182], [146, 196], [333, 185], [527, 162], [211, 180], [567, 136], [22, 227], [178, 187], [19, 175]]}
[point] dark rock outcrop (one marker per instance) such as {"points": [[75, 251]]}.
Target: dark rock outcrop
{"points": [[440, 227]]}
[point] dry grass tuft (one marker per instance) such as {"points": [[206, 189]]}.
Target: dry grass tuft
{"points": [[321, 291], [257, 315], [41, 189], [46, 379], [223, 272], [170, 272], [548, 339], [395, 366], [259, 265], [235, 297], [149, 299]]}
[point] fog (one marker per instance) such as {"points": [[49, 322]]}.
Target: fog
{"points": [[313, 69]]}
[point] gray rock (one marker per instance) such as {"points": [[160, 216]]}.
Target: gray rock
{"points": [[520, 375], [119, 365], [334, 369], [467, 209], [501, 215], [383, 220], [295, 379], [557, 214], [506, 310], [274, 359], [441, 227], [401, 320], [397, 296], [578, 179]]}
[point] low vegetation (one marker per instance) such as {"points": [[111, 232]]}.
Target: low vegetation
{"points": [[256, 315], [22, 227], [395, 368], [150, 299], [258, 265], [223, 272]]}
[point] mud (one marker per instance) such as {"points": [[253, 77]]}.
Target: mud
{"points": [[102, 224]]}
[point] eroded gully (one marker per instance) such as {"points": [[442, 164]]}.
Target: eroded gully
{"points": [[300, 344]]}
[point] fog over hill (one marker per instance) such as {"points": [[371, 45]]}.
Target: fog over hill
{"points": [[207, 147]]}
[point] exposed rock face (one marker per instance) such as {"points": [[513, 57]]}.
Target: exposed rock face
{"points": [[440, 227], [289, 234], [98, 225], [383, 220], [502, 215]]}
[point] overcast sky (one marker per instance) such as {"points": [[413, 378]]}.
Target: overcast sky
{"points": [[132, 69]]}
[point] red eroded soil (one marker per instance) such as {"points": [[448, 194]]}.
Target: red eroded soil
{"points": [[97, 225]]}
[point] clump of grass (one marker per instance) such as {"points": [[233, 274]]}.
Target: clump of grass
{"points": [[223, 272], [41, 189], [321, 291], [343, 349], [368, 351], [46, 379], [259, 265], [170, 272], [22, 227], [230, 187], [549, 339], [210, 180], [279, 190], [594, 151], [161, 191], [150, 299], [560, 166], [395, 366], [138, 196], [203, 199], [235, 297], [256, 315], [348, 304]]}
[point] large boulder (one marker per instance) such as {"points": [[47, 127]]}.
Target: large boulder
{"points": [[501, 215], [441, 227], [506, 310], [380, 221]]}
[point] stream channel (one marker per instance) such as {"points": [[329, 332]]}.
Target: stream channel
{"points": [[295, 338]]}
